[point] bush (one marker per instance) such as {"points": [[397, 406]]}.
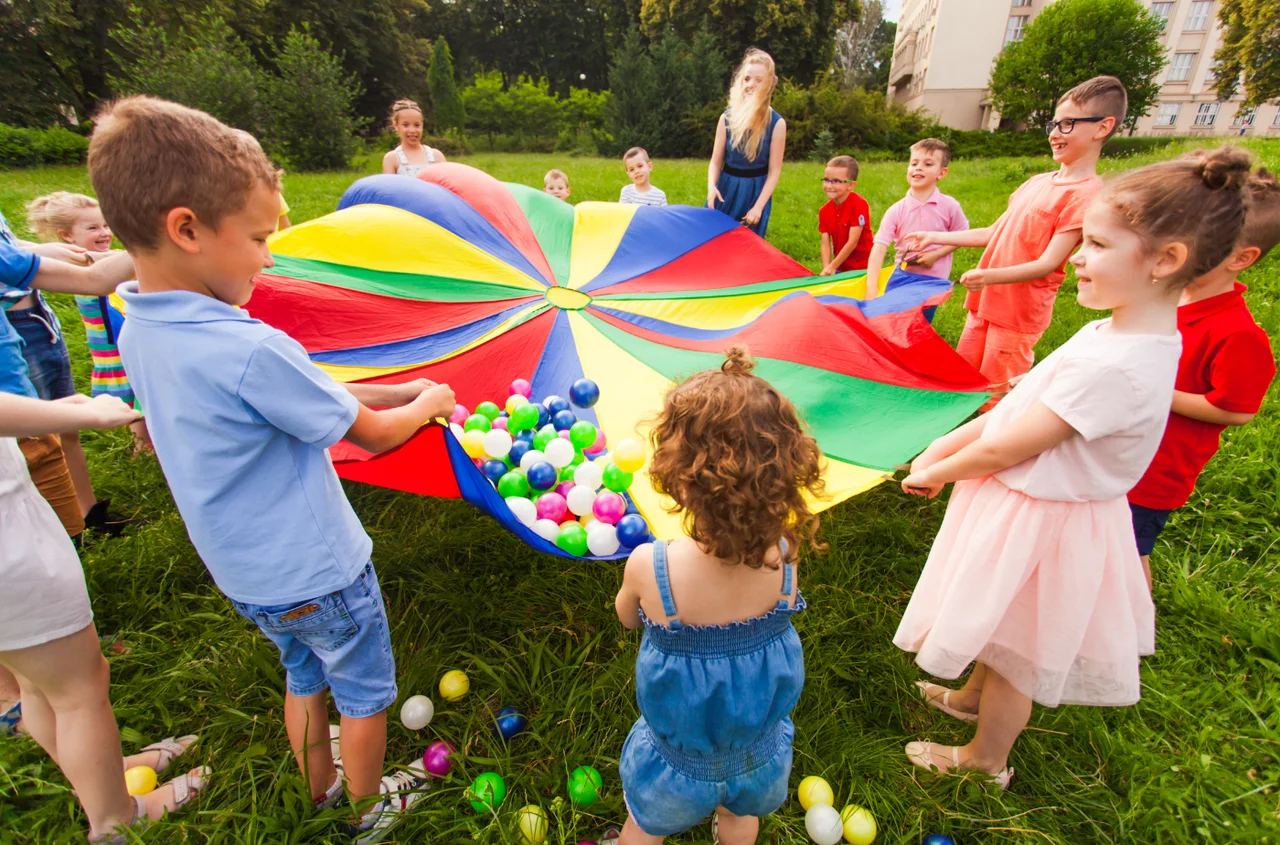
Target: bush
{"points": [[389, 140], [31, 147], [311, 119]]}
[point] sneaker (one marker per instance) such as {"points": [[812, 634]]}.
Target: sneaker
{"points": [[331, 796], [400, 791], [335, 749], [101, 519]]}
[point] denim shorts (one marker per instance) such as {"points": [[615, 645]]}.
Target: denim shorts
{"points": [[339, 641], [667, 793], [1147, 525], [48, 363]]}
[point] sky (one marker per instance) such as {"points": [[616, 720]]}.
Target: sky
{"points": [[891, 8]]}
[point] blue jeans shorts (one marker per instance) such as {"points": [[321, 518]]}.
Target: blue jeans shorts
{"points": [[668, 793], [46, 352], [340, 642], [1147, 525]]}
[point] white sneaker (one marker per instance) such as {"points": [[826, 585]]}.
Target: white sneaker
{"points": [[336, 750], [400, 791]]}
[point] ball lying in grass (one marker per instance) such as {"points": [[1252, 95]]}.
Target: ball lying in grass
{"points": [[823, 824], [859, 825], [584, 786], [140, 780], [416, 712], [487, 792], [532, 823], [814, 790], [454, 685]]}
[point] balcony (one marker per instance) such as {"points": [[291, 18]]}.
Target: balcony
{"points": [[904, 61]]}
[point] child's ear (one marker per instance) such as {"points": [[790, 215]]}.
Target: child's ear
{"points": [[1244, 258], [64, 235], [180, 227], [942, 174], [1104, 128]]}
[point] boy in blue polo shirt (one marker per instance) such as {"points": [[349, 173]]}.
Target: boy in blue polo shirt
{"points": [[242, 420]]}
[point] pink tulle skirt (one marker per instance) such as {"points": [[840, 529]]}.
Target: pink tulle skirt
{"points": [[1049, 594]]}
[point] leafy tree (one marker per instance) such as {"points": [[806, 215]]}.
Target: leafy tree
{"points": [[709, 69], [1071, 41], [636, 103], [1250, 50], [864, 48], [449, 111], [673, 75], [487, 105], [533, 109], [310, 106]]}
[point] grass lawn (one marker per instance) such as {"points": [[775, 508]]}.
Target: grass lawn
{"points": [[1195, 761]]}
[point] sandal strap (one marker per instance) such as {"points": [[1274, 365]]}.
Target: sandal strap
{"points": [[169, 749]]}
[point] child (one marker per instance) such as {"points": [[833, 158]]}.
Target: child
{"points": [[923, 209], [1223, 375], [751, 142], [845, 221], [241, 421], [1010, 300], [47, 637], [76, 219], [720, 665], [556, 183], [412, 156], [1034, 573], [640, 191]]}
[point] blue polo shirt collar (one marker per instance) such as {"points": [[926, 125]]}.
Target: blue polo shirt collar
{"points": [[177, 306]]}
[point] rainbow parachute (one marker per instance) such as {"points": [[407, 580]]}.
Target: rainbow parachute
{"points": [[459, 278]]}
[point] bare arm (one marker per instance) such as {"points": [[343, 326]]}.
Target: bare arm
{"points": [[388, 395], [99, 279], [716, 165], [1198, 407], [1057, 252], [927, 259], [69, 253], [389, 163], [627, 603], [378, 431], [826, 253], [849, 246], [875, 261], [440, 155], [920, 241], [777, 149], [24, 417]]}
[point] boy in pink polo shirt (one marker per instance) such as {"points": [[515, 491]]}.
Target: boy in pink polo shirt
{"points": [[923, 209], [1011, 292]]}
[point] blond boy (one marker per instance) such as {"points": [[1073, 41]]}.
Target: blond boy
{"points": [[556, 183], [641, 191]]}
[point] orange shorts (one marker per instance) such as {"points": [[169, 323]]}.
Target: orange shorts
{"points": [[998, 353], [48, 468]]}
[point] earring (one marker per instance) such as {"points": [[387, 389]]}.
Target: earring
{"points": [[1155, 279]]}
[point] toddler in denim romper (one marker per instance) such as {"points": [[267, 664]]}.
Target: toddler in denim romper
{"points": [[714, 733]]}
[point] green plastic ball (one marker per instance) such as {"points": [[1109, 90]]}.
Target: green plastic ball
{"points": [[477, 422], [573, 539], [489, 409], [566, 472], [523, 418], [542, 438], [616, 479], [582, 434], [584, 786], [513, 484], [487, 792]]}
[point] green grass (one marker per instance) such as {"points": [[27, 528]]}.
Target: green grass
{"points": [[1195, 761]]}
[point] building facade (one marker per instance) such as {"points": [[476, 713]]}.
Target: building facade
{"points": [[944, 51]]}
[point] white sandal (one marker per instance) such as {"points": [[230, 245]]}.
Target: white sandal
{"points": [[169, 749], [185, 788], [943, 703], [923, 755]]}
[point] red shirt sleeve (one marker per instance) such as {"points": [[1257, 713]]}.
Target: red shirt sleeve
{"points": [[827, 219], [861, 213], [1240, 372]]}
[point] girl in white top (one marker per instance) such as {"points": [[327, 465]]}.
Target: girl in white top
{"points": [[47, 638], [1035, 573], [412, 156]]}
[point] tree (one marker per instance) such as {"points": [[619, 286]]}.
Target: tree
{"points": [[487, 105], [633, 111], [449, 111], [1250, 50], [1071, 41], [310, 106], [864, 49], [672, 72]]}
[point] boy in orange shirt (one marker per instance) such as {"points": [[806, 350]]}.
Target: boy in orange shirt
{"points": [[1011, 292]]}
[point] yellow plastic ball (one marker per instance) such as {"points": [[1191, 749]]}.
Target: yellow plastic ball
{"points": [[473, 443], [859, 825], [814, 790], [533, 824], [454, 685], [514, 401], [140, 780], [586, 519], [629, 455]]}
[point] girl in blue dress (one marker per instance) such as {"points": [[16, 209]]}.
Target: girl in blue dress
{"points": [[751, 139], [720, 666]]}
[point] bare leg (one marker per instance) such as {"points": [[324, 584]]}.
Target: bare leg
{"points": [[306, 719], [364, 750], [1002, 715], [78, 466], [1146, 570], [141, 437], [633, 835], [969, 696], [737, 830]]}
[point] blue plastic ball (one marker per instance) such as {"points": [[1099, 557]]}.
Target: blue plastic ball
{"points": [[556, 404], [494, 469], [564, 420], [509, 722], [518, 448], [584, 393], [542, 476], [525, 436], [632, 530], [544, 415], [937, 839]]}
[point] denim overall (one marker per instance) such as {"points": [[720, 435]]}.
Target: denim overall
{"points": [[715, 706]]}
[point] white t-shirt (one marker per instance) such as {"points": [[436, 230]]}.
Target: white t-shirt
{"points": [[1115, 390], [631, 196]]}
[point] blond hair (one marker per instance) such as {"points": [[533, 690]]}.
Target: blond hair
{"points": [[403, 104], [1109, 95], [149, 156], [54, 213], [555, 174], [635, 152], [748, 120]]}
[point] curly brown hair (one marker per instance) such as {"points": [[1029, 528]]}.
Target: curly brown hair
{"points": [[733, 454]]}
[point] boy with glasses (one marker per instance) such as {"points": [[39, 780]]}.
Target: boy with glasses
{"points": [[845, 221], [1011, 292]]}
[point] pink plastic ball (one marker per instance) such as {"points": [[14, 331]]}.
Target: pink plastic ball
{"points": [[609, 507], [522, 387], [500, 422], [565, 434], [563, 488], [436, 758], [598, 446], [552, 506], [459, 415]]}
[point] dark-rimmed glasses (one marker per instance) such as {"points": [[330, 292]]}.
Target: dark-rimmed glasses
{"points": [[1068, 123], [827, 181]]}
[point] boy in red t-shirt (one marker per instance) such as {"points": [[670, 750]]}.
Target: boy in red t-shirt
{"points": [[845, 221], [1223, 374]]}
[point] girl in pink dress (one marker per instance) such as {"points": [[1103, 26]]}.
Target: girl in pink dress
{"points": [[1035, 572]]}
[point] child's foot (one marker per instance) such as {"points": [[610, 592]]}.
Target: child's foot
{"points": [[946, 759], [331, 796], [176, 794], [335, 749], [158, 755], [400, 791], [957, 703], [110, 524]]}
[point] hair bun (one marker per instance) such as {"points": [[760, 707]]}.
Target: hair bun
{"points": [[738, 360], [1224, 168]]}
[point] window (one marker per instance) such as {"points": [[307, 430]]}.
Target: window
{"points": [[1018, 3], [1206, 114], [1212, 74], [1013, 32], [1244, 117], [1161, 12], [1180, 68], [1168, 114], [1275, 121], [1198, 18]]}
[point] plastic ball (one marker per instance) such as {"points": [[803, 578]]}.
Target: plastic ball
{"points": [[616, 478], [436, 758], [581, 499], [584, 786], [544, 438], [531, 457], [556, 404], [632, 530], [566, 474], [519, 448], [140, 780], [564, 420], [497, 443], [584, 393], [586, 521], [416, 712], [546, 529], [473, 443], [525, 510], [582, 434], [573, 539], [541, 475], [589, 475], [454, 685], [459, 415], [509, 722], [532, 823], [609, 507], [502, 423], [513, 484], [937, 839], [823, 824], [602, 539], [564, 434], [598, 446], [494, 469], [515, 400], [559, 453], [814, 790], [488, 409], [477, 422], [544, 415], [521, 387], [487, 792], [564, 486], [629, 455], [523, 418], [551, 506], [457, 431], [859, 825]]}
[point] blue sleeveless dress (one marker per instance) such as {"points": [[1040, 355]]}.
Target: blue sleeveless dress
{"points": [[715, 714], [742, 179]]}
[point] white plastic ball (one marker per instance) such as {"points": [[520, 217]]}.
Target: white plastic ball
{"points": [[560, 453], [602, 539], [524, 509], [546, 529], [823, 824], [457, 430], [589, 475], [580, 500], [549, 429], [416, 712], [533, 456], [497, 443]]}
